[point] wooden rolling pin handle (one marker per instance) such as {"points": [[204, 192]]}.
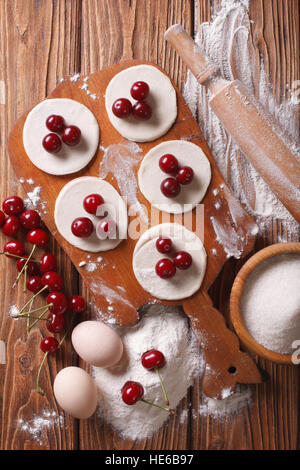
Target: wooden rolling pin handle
{"points": [[190, 53]]}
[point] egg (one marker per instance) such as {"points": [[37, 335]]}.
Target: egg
{"points": [[97, 344], [76, 392]]}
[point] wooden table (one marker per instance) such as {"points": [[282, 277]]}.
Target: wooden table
{"points": [[40, 42]]}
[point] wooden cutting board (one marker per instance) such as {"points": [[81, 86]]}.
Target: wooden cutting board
{"points": [[113, 285]]}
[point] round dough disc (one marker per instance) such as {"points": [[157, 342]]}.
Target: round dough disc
{"points": [[69, 206], [162, 99], [150, 176], [68, 159], [145, 256]]}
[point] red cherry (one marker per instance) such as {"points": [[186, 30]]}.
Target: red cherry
{"points": [[34, 284], [71, 135], [55, 123], [13, 205], [142, 110], [182, 260], [52, 280], [153, 359], [49, 344], [91, 203], [58, 301], [48, 263], [30, 219], [165, 268], [32, 268], [14, 247], [52, 143], [38, 237], [185, 175], [122, 108], [2, 218], [139, 91], [76, 304], [106, 229], [170, 187], [82, 227], [168, 163], [132, 392], [57, 323], [11, 226], [164, 245]]}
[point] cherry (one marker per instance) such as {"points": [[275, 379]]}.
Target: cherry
{"points": [[38, 237], [106, 229], [30, 219], [11, 226], [170, 187], [132, 392], [58, 301], [142, 110], [48, 263], [91, 203], [14, 247], [55, 123], [76, 304], [56, 324], [13, 205], [122, 108], [168, 163], [34, 284], [49, 344], [52, 143], [2, 218], [153, 359], [182, 260], [165, 268], [82, 227], [71, 135], [164, 245], [32, 268], [52, 280], [185, 175], [139, 91]]}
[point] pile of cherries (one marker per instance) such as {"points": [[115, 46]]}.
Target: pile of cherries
{"points": [[132, 391], [70, 135], [122, 107], [39, 275], [171, 187], [165, 267], [83, 227]]}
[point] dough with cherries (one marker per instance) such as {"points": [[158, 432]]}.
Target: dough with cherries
{"points": [[68, 159], [185, 282], [150, 176], [69, 206], [161, 98]]}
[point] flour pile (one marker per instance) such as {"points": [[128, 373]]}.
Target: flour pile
{"points": [[168, 332]]}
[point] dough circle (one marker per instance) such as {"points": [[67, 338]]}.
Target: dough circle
{"points": [[69, 206], [145, 256], [150, 176], [162, 99], [68, 159]]}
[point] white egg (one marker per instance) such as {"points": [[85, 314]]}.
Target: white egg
{"points": [[97, 344], [76, 392]]}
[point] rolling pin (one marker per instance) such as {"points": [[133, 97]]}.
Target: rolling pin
{"points": [[251, 127]]}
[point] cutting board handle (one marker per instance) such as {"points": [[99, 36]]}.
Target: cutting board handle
{"points": [[226, 364]]}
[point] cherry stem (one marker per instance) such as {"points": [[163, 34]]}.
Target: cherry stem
{"points": [[39, 373], [39, 308], [32, 298], [25, 265], [40, 317], [168, 410], [24, 315], [162, 386], [25, 278], [17, 256], [28, 319]]}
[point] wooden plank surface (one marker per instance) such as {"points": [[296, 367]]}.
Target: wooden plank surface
{"points": [[40, 41]]}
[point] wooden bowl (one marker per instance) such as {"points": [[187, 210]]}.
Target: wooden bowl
{"points": [[236, 295]]}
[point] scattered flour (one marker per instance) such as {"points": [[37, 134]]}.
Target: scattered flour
{"points": [[34, 200], [13, 311], [39, 425], [228, 406]]}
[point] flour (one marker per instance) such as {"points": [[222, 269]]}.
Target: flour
{"points": [[228, 406], [167, 331], [271, 303], [39, 425], [226, 40], [34, 200]]}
